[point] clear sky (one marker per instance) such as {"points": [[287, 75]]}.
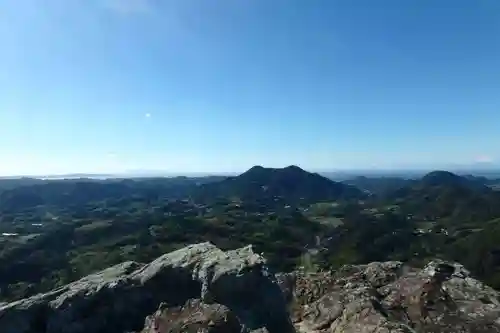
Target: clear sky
{"points": [[221, 85]]}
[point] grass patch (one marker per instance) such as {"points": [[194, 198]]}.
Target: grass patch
{"points": [[332, 221], [93, 226]]}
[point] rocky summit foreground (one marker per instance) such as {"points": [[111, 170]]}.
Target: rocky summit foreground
{"points": [[201, 288], [384, 297]]}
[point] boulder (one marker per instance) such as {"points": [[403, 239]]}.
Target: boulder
{"points": [[118, 299]]}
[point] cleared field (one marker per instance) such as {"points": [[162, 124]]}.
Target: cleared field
{"points": [[334, 221], [424, 224], [93, 226], [324, 205]]}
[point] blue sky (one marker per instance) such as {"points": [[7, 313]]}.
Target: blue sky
{"points": [[192, 85]]}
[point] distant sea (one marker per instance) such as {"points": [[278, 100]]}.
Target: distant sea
{"points": [[339, 175]]}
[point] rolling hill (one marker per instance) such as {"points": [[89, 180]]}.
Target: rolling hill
{"points": [[379, 186], [445, 194], [291, 183], [27, 193]]}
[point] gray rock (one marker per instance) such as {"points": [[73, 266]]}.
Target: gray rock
{"points": [[118, 299], [381, 273], [383, 297], [201, 288], [193, 317]]}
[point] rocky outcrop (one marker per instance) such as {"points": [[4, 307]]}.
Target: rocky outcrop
{"points": [[193, 317], [118, 299], [201, 288], [383, 297]]}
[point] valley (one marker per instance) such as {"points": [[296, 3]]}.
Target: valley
{"points": [[55, 231]]}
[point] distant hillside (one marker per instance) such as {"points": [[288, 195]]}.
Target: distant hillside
{"points": [[292, 183], [10, 183], [444, 194], [379, 185], [494, 183], [446, 178], [26, 193]]}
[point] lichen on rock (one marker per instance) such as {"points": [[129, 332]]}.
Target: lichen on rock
{"points": [[118, 299], [201, 288]]}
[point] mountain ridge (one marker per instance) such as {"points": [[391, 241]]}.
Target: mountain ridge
{"points": [[291, 182], [445, 194]]}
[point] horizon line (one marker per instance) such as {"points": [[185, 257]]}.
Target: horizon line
{"points": [[162, 173]]}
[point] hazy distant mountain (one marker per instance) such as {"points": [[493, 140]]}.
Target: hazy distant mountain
{"points": [[383, 185], [24, 193], [445, 178], [488, 170], [7, 183], [379, 185], [442, 193], [292, 183], [443, 181], [346, 175]]}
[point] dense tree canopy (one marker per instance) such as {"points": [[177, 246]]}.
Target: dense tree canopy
{"points": [[53, 232]]}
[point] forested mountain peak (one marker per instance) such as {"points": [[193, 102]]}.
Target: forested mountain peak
{"points": [[291, 182], [443, 178]]}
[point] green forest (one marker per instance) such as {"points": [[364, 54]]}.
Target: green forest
{"points": [[53, 232]]}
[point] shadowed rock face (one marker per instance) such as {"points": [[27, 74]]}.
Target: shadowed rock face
{"points": [[118, 299], [203, 289]]}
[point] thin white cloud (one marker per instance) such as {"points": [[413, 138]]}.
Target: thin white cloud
{"points": [[128, 7], [484, 159], [147, 115]]}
